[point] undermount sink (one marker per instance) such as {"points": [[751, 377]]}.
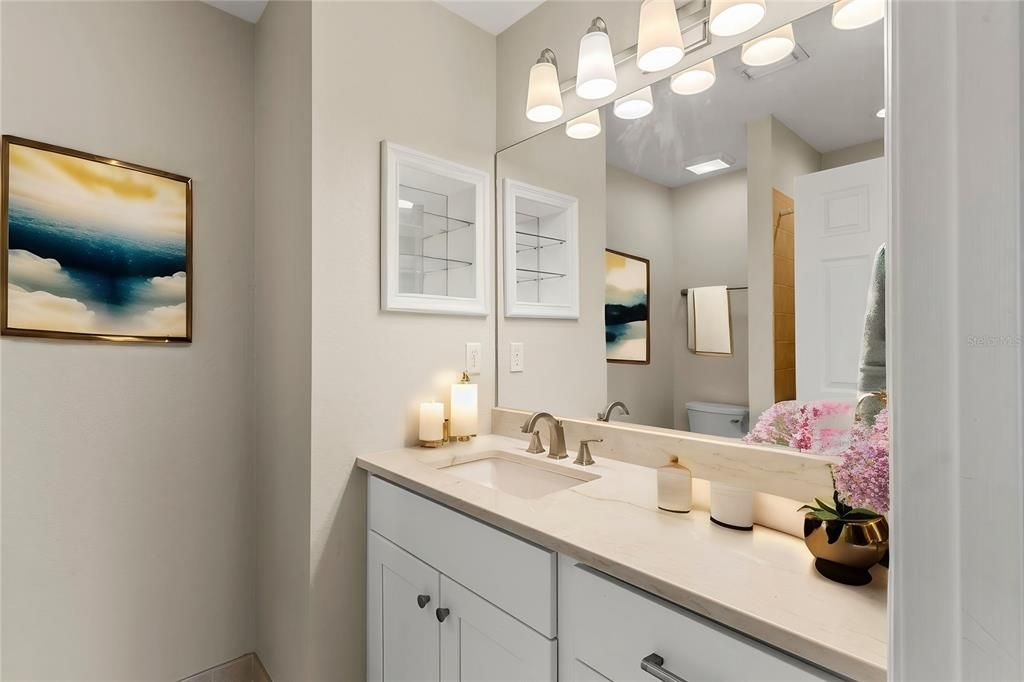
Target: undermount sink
{"points": [[525, 479]]}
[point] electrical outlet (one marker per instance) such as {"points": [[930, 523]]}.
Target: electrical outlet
{"points": [[473, 359], [516, 358]]}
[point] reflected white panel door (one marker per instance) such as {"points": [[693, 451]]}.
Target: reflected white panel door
{"points": [[840, 223], [403, 636], [482, 643]]}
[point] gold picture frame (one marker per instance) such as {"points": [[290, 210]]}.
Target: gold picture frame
{"points": [[50, 182]]}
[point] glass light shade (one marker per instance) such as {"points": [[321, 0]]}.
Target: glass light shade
{"points": [[637, 105], [584, 127], [851, 14], [659, 45], [543, 97], [769, 48], [732, 17], [695, 79], [595, 74], [463, 410]]}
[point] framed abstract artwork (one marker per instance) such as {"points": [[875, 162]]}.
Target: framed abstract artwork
{"points": [[627, 318], [92, 248]]}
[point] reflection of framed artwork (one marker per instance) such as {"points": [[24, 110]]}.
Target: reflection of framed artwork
{"points": [[627, 318], [92, 248]]}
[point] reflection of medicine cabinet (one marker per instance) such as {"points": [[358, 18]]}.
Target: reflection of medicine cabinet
{"points": [[434, 234], [541, 252]]}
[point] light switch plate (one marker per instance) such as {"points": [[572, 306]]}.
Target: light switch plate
{"points": [[516, 358], [473, 359]]}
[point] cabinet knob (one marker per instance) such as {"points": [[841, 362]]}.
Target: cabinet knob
{"points": [[441, 614], [423, 600]]}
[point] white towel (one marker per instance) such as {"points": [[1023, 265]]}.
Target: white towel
{"points": [[709, 325]]}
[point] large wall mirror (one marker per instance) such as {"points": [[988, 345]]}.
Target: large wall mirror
{"points": [[728, 224]]}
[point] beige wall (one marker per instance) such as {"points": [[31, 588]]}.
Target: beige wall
{"points": [[855, 154], [417, 75], [640, 222], [282, 364], [126, 517], [566, 354], [775, 156], [710, 221]]}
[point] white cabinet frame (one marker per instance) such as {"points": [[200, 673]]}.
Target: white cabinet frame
{"points": [[394, 157]]}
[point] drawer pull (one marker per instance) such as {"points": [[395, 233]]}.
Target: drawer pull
{"points": [[652, 665], [441, 614], [423, 600]]}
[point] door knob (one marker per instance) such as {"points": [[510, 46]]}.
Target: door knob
{"points": [[423, 600], [441, 614]]}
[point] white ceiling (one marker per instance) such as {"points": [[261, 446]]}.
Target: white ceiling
{"points": [[493, 16], [829, 100], [250, 10]]}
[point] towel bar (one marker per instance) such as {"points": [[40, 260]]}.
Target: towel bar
{"points": [[684, 292]]}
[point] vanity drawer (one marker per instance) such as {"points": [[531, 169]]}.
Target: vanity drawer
{"points": [[609, 628], [511, 573]]}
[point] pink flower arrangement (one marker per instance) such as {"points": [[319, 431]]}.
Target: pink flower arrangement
{"points": [[862, 476]]}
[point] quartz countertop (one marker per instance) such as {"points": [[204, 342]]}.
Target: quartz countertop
{"points": [[761, 583]]}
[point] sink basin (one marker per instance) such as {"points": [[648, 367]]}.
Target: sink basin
{"points": [[525, 479]]}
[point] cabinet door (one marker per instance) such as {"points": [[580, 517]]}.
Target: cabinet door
{"points": [[402, 629], [482, 643]]}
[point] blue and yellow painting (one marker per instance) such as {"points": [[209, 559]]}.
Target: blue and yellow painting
{"points": [[94, 249], [626, 308]]}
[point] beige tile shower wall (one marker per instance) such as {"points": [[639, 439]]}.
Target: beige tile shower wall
{"points": [[710, 222], [126, 471], [566, 370], [640, 222], [415, 74]]}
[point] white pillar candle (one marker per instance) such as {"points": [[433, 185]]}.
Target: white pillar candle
{"points": [[463, 420], [431, 421]]}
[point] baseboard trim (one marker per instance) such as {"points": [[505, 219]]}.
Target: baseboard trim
{"points": [[245, 668]]}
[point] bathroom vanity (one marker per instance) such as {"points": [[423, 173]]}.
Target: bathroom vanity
{"points": [[485, 562]]}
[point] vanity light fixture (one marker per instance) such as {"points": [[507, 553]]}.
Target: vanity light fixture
{"points": [[659, 45], [695, 79], [850, 14], [634, 106], [710, 164], [732, 17], [595, 72], [543, 96], [880, 113], [772, 47], [584, 127]]}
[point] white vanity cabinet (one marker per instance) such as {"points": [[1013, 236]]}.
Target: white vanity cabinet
{"points": [[451, 598]]}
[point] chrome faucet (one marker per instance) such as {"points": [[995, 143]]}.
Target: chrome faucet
{"points": [[606, 414], [556, 446]]}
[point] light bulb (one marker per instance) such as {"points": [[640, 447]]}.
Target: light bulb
{"points": [[732, 17], [584, 127], [595, 71], [769, 48], [637, 105], [695, 79], [543, 96], [659, 44], [851, 14]]}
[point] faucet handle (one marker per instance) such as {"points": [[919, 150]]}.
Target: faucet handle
{"points": [[583, 456], [536, 447]]}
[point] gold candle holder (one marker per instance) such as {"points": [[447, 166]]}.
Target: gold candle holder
{"points": [[437, 443]]}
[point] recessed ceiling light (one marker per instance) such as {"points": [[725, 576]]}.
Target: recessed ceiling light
{"points": [[695, 79], [637, 105], [710, 165], [769, 48], [584, 127], [880, 113], [405, 203]]}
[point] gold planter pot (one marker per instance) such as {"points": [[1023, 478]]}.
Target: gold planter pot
{"points": [[845, 550]]}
